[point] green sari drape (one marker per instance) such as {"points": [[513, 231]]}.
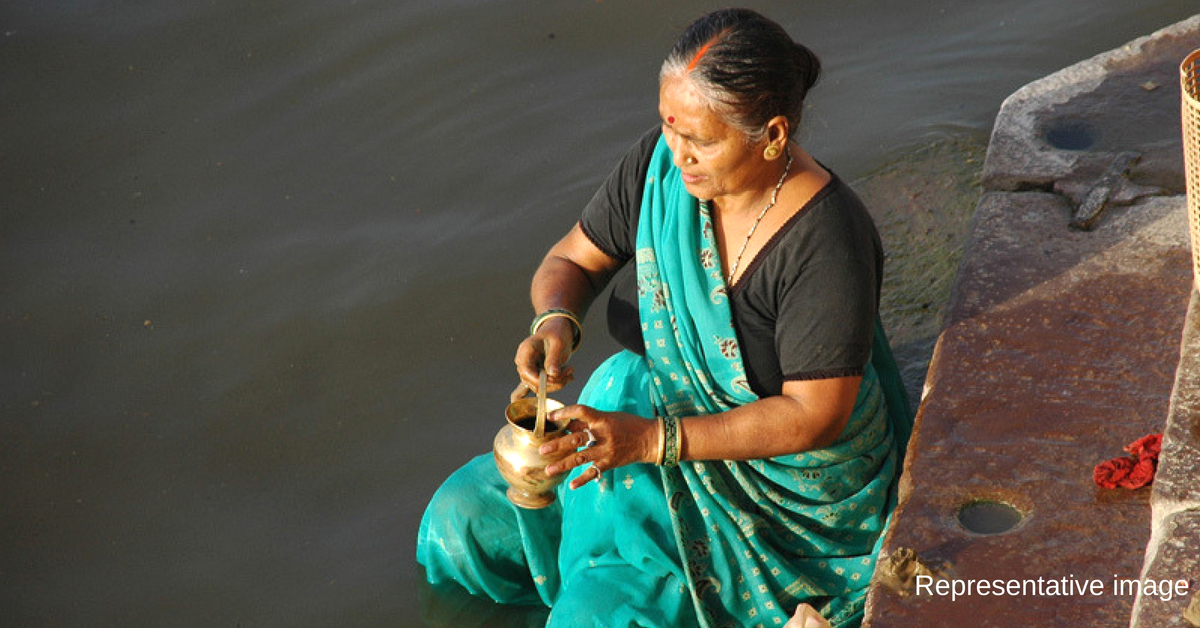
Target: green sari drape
{"points": [[708, 543]]}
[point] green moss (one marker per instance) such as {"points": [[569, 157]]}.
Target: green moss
{"points": [[922, 202]]}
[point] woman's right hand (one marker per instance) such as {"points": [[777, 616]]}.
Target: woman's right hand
{"points": [[570, 276], [547, 349]]}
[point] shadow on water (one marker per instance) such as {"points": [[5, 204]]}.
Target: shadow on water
{"points": [[450, 606]]}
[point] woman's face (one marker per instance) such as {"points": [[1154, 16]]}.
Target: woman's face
{"points": [[714, 158]]}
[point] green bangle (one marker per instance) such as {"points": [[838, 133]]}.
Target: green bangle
{"points": [[672, 441], [576, 327]]}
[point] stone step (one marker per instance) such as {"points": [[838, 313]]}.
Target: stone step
{"points": [[1060, 347], [1173, 553]]}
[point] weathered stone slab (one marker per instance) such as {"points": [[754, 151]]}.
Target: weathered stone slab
{"points": [[1022, 248], [1177, 482], [1065, 129], [1060, 348], [1173, 553], [1174, 556]]}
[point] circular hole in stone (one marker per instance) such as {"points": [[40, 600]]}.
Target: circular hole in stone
{"points": [[986, 516], [1070, 134]]}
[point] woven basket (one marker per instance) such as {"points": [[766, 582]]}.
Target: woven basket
{"points": [[1189, 77]]}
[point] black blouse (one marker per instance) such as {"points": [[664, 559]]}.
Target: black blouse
{"points": [[805, 306]]}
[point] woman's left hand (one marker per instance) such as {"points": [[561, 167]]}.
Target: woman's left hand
{"points": [[620, 439], [806, 617]]}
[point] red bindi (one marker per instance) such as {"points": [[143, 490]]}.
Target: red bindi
{"points": [[670, 119]]}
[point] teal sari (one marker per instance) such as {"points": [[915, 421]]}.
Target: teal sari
{"points": [[707, 543]]}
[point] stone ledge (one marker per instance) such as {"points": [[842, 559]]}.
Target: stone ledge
{"points": [[1052, 360], [1059, 348], [1065, 129], [1177, 482], [1021, 246], [1174, 549], [1175, 556]]}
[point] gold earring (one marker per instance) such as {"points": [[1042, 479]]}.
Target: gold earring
{"points": [[771, 151]]}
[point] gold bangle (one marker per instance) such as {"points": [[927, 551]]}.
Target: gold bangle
{"points": [[662, 440], [576, 330]]}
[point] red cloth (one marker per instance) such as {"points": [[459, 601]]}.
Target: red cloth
{"points": [[1133, 471], [1148, 445]]}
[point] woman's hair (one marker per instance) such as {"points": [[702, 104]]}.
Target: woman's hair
{"points": [[747, 67]]}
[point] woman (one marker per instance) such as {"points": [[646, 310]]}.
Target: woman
{"points": [[737, 460]]}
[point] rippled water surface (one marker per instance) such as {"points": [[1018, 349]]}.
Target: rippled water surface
{"points": [[263, 264]]}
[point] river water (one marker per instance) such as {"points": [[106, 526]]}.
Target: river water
{"points": [[263, 264]]}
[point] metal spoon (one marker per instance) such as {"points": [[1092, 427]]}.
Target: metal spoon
{"points": [[539, 429]]}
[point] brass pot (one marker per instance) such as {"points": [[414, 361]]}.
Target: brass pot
{"points": [[517, 457]]}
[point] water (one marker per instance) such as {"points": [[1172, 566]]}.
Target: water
{"points": [[989, 517], [263, 264]]}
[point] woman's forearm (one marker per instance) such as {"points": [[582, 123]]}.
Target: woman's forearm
{"points": [[569, 278], [561, 284], [811, 417], [808, 415], [571, 275]]}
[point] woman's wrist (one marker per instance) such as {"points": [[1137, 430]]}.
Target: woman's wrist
{"points": [[559, 315], [670, 441], [561, 329]]}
